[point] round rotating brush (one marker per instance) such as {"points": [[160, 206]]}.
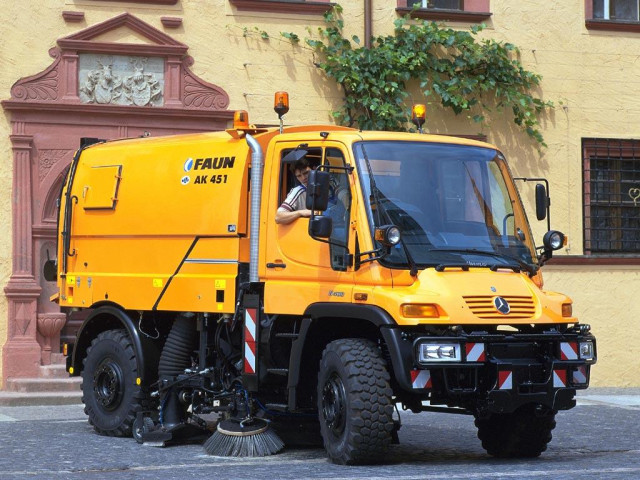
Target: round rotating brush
{"points": [[250, 437]]}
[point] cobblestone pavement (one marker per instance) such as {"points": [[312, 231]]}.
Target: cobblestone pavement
{"points": [[599, 439]]}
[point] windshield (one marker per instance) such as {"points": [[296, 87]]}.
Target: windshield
{"points": [[451, 203]]}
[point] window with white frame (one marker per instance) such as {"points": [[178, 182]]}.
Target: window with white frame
{"points": [[616, 10]]}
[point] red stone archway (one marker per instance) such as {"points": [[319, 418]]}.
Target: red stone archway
{"points": [[49, 113]]}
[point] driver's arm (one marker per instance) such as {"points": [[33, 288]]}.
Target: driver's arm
{"points": [[285, 217]]}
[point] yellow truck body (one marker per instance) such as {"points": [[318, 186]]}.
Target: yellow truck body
{"points": [[159, 236]]}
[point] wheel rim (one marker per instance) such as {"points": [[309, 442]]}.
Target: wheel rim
{"points": [[107, 384], [334, 404]]}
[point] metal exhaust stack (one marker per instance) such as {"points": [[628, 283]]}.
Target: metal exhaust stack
{"points": [[256, 193]]}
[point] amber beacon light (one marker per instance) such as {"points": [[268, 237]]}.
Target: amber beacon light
{"points": [[281, 106], [419, 115], [281, 103], [241, 120]]}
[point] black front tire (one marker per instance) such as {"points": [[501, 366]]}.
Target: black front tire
{"points": [[355, 405], [110, 392], [523, 433]]}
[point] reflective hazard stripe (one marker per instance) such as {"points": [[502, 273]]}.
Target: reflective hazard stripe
{"points": [[580, 375], [420, 379], [505, 379], [250, 315], [475, 352], [568, 351], [559, 378]]}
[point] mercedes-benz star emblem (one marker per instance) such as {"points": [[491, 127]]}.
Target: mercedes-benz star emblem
{"points": [[501, 305]]}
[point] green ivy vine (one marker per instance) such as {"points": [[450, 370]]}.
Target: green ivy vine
{"points": [[450, 66]]}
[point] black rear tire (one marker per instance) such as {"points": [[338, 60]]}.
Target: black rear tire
{"points": [[109, 389], [355, 405], [523, 433]]}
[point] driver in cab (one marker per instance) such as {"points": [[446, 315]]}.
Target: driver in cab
{"points": [[294, 206]]}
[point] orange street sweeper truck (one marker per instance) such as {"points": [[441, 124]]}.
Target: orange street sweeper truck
{"points": [[415, 283]]}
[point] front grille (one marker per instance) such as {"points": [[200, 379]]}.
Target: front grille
{"points": [[482, 306]]}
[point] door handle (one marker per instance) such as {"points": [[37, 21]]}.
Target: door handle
{"points": [[276, 265]]}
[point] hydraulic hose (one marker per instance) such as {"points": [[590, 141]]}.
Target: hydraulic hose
{"points": [[180, 344], [174, 359]]}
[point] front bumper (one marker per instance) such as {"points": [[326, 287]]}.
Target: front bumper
{"points": [[496, 372]]}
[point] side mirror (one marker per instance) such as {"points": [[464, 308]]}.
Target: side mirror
{"points": [[542, 201], [320, 226], [318, 190]]}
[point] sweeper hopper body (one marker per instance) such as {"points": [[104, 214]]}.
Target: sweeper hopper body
{"points": [[139, 206], [415, 281]]}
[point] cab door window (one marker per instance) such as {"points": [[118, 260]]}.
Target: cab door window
{"points": [[339, 207]]}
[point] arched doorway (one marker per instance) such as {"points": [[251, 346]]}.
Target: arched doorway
{"points": [[98, 89]]}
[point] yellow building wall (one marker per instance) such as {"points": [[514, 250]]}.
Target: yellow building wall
{"points": [[591, 76]]}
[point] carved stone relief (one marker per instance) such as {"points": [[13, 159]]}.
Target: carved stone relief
{"points": [[121, 80], [48, 158]]}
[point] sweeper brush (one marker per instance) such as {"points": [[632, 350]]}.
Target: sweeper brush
{"points": [[249, 438]]}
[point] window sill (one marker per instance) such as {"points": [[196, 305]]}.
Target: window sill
{"points": [[612, 25], [283, 6], [451, 15], [593, 260]]}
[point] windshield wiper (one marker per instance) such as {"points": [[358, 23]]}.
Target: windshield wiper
{"points": [[532, 269]]}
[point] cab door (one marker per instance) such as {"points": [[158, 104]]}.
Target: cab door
{"points": [[299, 270]]}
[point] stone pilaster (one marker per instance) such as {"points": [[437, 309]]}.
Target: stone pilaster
{"points": [[21, 354]]}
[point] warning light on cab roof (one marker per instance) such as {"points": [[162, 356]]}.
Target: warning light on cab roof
{"points": [[419, 115], [281, 103]]}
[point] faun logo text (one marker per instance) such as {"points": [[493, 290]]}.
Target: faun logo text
{"points": [[214, 163]]}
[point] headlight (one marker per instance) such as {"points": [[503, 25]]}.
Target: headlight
{"points": [[554, 240], [439, 352], [586, 351], [388, 235]]}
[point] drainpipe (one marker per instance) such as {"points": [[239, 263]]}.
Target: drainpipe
{"points": [[367, 23], [256, 193]]}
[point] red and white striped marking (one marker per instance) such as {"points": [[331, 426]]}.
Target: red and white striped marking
{"points": [[580, 375], [420, 378], [568, 351], [475, 352], [505, 380], [559, 378], [250, 315]]}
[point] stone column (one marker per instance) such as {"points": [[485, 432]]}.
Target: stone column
{"points": [[21, 354]]}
